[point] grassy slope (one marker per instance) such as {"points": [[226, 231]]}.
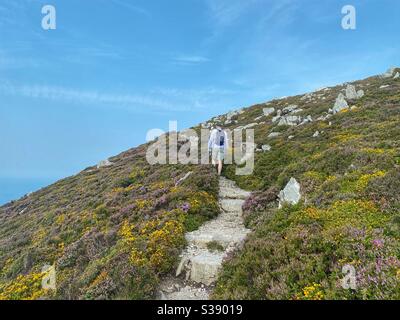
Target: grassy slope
{"points": [[111, 233], [350, 214]]}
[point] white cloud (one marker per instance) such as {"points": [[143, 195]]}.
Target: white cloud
{"points": [[226, 12], [186, 59], [131, 7], [157, 100]]}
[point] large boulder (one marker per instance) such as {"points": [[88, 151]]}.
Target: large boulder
{"points": [[268, 111], [352, 94], [289, 121], [291, 193], [104, 163], [340, 104], [389, 73], [289, 109]]}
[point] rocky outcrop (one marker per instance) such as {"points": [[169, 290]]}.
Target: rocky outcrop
{"points": [[200, 265], [289, 121], [352, 94], [268, 111], [291, 193], [388, 74], [340, 104], [104, 163]]}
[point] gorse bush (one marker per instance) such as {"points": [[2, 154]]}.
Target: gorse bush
{"points": [[111, 232], [349, 214]]}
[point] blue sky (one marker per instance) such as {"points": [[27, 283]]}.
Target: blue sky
{"points": [[114, 69]]}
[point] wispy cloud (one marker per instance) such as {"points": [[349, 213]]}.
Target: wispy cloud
{"points": [[226, 12], [131, 7], [156, 100], [190, 60]]}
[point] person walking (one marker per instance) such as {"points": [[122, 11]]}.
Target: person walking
{"points": [[217, 146]]}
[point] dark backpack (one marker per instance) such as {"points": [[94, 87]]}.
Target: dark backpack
{"points": [[220, 138]]}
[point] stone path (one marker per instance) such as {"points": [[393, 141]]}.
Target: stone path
{"points": [[207, 247]]}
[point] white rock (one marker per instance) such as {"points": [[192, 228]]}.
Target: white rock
{"points": [[104, 163], [352, 94], [289, 109], [291, 137], [274, 134], [289, 121], [384, 86], [276, 118], [307, 120], [291, 193], [266, 147], [297, 111], [187, 175], [360, 94], [316, 134], [340, 104], [396, 76], [268, 111], [249, 126], [388, 74]]}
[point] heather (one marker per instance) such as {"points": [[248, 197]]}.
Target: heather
{"points": [[111, 233], [349, 213]]}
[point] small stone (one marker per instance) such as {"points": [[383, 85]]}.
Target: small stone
{"points": [[266, 147], [274, 134], [316, 134]]}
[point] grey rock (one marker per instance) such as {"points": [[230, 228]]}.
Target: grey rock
{"points": [[266, 147], [104, 163], [289, 121], [340, 104], [249, 126], [388, 74], [291, 193], [307, 120], [274, 134], [268, 111], [187, 175], [289, 109]]}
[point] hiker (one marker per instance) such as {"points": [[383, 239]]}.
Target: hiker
{"points": [[217, 145]]}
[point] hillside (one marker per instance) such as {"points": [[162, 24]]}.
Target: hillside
{"points": [[117, 230]]}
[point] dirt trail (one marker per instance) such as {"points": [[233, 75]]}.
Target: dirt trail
{"points": [[201, 260]]}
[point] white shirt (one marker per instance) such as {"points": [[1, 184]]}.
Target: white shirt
{"points": [[211, 141]]}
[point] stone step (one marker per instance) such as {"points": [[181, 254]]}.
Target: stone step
{"points": [[205, 267], [233, 193], [231, 205], [222, 236]]}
